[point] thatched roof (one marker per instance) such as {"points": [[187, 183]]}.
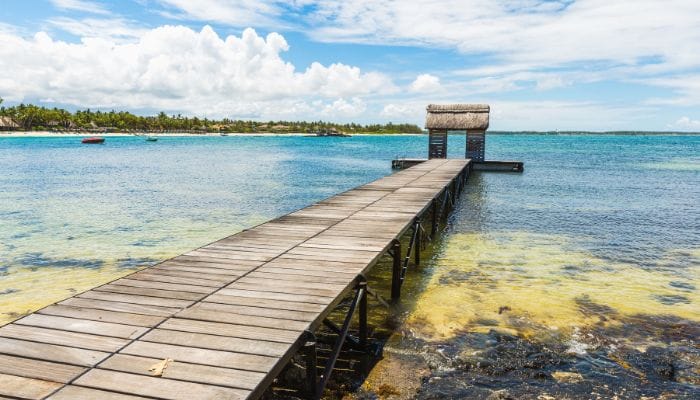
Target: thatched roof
{"points": [[457, 116], [7, 122]]}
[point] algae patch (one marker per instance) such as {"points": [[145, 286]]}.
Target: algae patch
{"points": [[534, 284]]}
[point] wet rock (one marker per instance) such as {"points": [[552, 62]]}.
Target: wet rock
{"points": [[672, 299], [687, 363], [500, 395], [590, 308], [567, 377], [396, 377], [682, 285]]}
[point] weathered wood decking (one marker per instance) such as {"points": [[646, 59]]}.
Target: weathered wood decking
{"points": [[230, 314]]}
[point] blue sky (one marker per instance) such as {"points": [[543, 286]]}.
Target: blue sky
{"points": [[541, 65]]}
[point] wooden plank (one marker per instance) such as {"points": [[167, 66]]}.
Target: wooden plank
{"points": [[271, 274], [120, 307], [134, 299], [164, 286], [204, 270], [157, 387], [196, 355], [167, 294], [53, 336], [151, 276], [215, 280], [242, 319], [82, 325], [26, 388], [212, 261], [186, 372], [331, 288], [101, 315], [50, 352], [255, 249], [232, 330], [268, 303], [325, 265], [347, 275], [188, 259], [228, 255], [82, 393], [37, 369], [277, 296], [257, 311], [213, 342], [271, 287]]}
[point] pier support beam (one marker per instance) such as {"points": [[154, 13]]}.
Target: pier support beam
{"points": [[363, 315], [419, 242], [360, 293], [436, 220], [311, 359], [396, 279]]}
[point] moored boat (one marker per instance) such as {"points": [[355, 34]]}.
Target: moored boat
{"points": [[151, 139], [93, 140]]}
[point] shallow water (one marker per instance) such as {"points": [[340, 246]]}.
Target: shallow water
{"points": [[576, 279], [588, 263]]}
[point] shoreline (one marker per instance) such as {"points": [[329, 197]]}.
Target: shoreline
{"points": [[28, 134], [46, 134]]}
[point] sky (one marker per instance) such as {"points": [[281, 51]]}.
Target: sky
{"points": [[541, 65]]}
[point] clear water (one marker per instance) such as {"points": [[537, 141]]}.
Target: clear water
{"points": [[593, 252]]}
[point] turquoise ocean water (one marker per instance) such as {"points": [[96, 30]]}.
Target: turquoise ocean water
{"points": [[592, 253]]}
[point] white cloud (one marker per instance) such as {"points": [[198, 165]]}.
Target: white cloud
{"points": [[345, 109], [685, 88], [175, 68], [591, 40], [425, 83], [685, 123], [237, 13], [80, 5], [532, 32], [115, 28], [404, 111]]}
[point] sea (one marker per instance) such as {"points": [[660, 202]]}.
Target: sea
{"points": [[578, 278]]}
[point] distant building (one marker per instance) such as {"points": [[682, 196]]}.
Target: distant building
{"points": [[8, 124]]}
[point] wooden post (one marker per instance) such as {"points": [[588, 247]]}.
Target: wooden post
{"points": [[417, 244], [396, 272], [363, 316], [311, 359], [434, 228]]}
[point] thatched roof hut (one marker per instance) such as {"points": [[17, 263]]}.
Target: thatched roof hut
{"points": [[470, 118], [7, 123], [459, 117]]}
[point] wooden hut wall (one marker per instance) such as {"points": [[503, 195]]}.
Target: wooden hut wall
{"points": [[437, 143], [476, 144]]}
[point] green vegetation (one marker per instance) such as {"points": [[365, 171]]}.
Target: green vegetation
{"points": [[31, 117]]}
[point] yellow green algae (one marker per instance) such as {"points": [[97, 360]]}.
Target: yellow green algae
{"points": [[538, 287], [30, 289], [527, 283], [69, 265]]}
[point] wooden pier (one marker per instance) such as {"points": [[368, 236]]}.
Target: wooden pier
{"points": [[221, 321]]}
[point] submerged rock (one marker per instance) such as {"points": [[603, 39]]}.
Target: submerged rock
{"points": [[567, 377]]}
